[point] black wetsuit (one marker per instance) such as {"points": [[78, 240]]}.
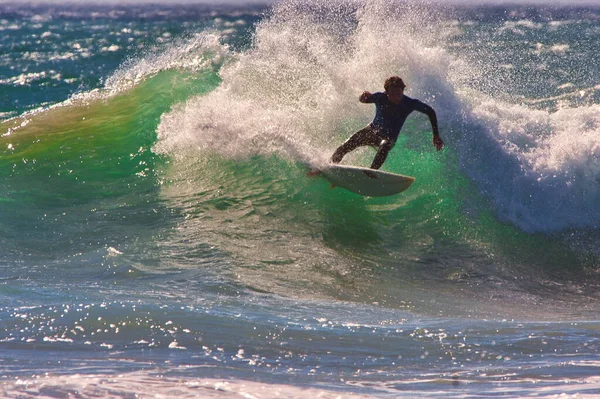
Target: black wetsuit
{"points": [[383, 131]]}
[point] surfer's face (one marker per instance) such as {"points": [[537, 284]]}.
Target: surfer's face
{"points": [[395, 94]]}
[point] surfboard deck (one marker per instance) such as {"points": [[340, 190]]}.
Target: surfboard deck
{"points": [[365, 181]]}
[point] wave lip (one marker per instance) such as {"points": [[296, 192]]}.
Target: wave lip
{"points": [[541, 169]]}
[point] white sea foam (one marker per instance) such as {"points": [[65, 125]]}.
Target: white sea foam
{"points": [[148, 385], [145, 384]]}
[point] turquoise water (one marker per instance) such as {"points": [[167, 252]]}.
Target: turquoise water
{"points": [[159, 235]]}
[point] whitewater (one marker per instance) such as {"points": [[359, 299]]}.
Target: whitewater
{"points": [[159, 235]]}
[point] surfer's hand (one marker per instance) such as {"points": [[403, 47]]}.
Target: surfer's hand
{"points": [[365, 96], [438, 142]]}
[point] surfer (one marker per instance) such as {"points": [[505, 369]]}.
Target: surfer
{"points": [[391, 110]]}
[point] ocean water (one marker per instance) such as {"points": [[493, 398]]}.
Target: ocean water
{"points": [[159, 237]]}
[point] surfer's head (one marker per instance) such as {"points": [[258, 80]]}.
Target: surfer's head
{"points": [[394, 89]]}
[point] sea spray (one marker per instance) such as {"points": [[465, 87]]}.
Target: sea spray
{"points": [[295, 91], [294, 94]]}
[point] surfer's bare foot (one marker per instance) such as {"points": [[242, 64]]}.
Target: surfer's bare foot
{"points": [[314, 172]]}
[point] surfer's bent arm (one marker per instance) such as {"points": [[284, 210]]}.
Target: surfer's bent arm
{"points": [[437, 140], [365, 97]]}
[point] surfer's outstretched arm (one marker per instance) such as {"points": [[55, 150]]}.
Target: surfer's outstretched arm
{"points": [[437, 140]]}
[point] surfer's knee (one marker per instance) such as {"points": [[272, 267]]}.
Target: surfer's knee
{"points": [[384, 148], [386, 145]]}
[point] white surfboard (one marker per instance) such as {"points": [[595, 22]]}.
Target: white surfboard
{"points": [[365, 181]]}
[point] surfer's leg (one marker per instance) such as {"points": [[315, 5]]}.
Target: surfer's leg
{"points": [[364, 136], [382, 153]]}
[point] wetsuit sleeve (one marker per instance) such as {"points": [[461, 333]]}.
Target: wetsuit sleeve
{"points": [[375, 97], [420, 106]]}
